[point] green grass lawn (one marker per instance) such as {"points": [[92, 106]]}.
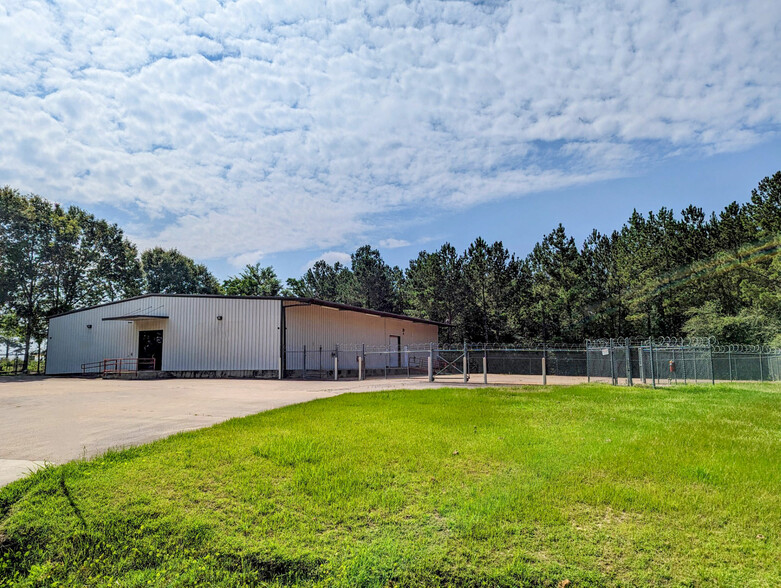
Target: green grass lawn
{"points": [[455, 487]]}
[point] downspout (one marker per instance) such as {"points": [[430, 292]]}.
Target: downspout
{"points": [[282, 340]]}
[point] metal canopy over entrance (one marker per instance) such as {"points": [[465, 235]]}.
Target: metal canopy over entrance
{"points": [[135, 317]]}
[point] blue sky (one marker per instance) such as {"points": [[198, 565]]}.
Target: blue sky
{"points": [[283, 132], [708, 182]]}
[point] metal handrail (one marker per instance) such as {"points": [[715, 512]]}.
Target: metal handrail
{"points": [[118, 365]]}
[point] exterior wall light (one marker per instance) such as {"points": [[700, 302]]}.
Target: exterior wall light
{"points": [[219, 317], [89, 326]]}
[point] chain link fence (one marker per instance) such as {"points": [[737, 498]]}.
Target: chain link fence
{"points": [[652, 362], [353, 361], [676, 361]]}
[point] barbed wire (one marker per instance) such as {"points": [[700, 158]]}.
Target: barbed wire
{"points": [[744, 348], [656, 342], [661, 343]]}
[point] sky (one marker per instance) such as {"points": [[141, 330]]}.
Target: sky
{"points": [[284, 132]]}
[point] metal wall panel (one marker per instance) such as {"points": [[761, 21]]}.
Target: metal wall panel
{"points": [[247, 337], [316, 326]]}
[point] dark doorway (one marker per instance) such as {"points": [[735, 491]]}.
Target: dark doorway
{"points": [[150, 346]]}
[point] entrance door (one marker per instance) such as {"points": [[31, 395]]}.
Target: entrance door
{"points": [[394, 357], [150, 346]]}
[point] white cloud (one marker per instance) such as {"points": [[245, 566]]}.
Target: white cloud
{"points": [[239, 130], [330, 257], [244, 259], [393, 243]]}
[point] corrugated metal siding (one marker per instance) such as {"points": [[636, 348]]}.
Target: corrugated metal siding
{"points": [[193, 339], [316, 326], [246, 339]]}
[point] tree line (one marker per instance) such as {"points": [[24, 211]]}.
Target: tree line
{"points": [[660, 274]]}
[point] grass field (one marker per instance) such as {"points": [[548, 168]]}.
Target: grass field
{"points": [[457, 487]]}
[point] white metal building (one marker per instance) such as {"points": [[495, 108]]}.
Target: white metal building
{"points": [[242, 336]]}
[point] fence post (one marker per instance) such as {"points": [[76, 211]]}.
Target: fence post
{"points": [[694, 351], [304, 372], [653, 365], [466, 364], [485, 365], [628, 363], [336, 363], [363, 360], [640, 352], [588, 367], [712, 368], [612, 365], [544, 364], [761, 372], [431, 362]]}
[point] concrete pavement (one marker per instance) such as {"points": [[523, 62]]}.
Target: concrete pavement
{"points": [[56, 420]]}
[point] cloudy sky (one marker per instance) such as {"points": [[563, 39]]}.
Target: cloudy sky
{"points": [[284, 131]]}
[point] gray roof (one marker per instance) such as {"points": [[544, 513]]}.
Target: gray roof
{"points": [[314, 301]]}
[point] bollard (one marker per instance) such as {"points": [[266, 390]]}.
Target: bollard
{"points": [[485, 367], [360, 367], [544, 372], [280, 367], [336, 363], [304, 372]]}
